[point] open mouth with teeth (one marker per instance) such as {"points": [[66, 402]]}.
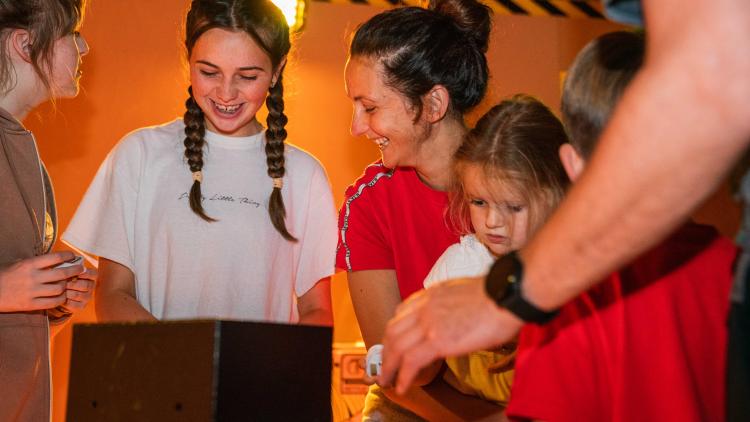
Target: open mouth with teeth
{"points": [[382, 143], [226, 110]]}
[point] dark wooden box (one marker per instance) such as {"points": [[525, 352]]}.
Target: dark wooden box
{"points": [[200, 371]]}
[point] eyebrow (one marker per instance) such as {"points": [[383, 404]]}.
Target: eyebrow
{"points": [[244, 68]]}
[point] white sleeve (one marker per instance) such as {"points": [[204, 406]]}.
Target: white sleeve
{"points": [[104, 223], [318, 237], [460, 260], [441, 269]]}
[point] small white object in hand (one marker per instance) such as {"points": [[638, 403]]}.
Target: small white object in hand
{"points": [[374, 360], [75, 261]]}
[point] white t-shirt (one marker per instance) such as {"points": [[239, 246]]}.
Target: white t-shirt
{"points": [[136, 212], [467, 258]]}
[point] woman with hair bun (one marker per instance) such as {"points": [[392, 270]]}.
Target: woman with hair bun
{"points": [[213, 215], [412, 74]]}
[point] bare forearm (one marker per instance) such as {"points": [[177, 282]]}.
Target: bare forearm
{"points": [[120, 306], [322, 317], [428, 373], [440, 402], [467, 408], [314, 306], [672, 139], [375, 296]]}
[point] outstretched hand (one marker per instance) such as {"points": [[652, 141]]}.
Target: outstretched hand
{"points": [[449, 319], [34, 284]]}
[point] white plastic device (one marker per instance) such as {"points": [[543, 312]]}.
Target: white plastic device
{"points": [[78, 259], [374, 360]]}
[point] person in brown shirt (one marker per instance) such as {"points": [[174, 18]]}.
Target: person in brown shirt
{"points": [[40, 53]]}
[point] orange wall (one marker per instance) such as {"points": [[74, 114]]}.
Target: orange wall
{"points": [[134, 77]]}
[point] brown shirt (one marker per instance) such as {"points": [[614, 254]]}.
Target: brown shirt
{"points": [[25, 200]]}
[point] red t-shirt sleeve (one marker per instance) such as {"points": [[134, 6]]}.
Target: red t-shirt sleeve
{"points": [[363, 226]]}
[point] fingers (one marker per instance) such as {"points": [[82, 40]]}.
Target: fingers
{"points": [[48, 302], [78, 294], [401, 334], [64, 273], [89, 274], [404, 342], [406, 350], [50, 290], [392, 352], [51, 259], [42, 268], [80, 285], [417, 358], [409, 344], [34, 283], [368, 380], [74, 306]]}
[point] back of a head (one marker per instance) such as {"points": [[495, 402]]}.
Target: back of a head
{"points": [[418, 48], [46, 21], [517, 141], [596, 80]]}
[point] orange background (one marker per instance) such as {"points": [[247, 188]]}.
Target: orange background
{"points": [[134, 76]]}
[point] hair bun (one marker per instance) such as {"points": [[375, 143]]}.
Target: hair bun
{"points": [[472, 17]]}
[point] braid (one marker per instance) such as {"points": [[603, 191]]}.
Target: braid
{"points": [[195, 130], [275, 136]]}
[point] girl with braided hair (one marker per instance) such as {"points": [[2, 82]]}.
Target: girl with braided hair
{"points": [[212, 215]]}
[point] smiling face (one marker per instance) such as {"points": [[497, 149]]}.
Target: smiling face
{"points": [[382, 114], [66, 61], [230, 75], [499, 214]]}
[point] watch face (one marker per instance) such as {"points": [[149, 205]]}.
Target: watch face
{"points": [[503, 285], [502, 277]]}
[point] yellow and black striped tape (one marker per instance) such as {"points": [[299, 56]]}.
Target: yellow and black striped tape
{"points": [[561, 8]]}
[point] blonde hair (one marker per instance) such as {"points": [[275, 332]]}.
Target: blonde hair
{"points": [[516, 141]]}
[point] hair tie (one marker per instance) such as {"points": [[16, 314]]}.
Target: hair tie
{"points": [[278, 182], [198, 176]]}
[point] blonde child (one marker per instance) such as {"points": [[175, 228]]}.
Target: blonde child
{"points": [[508, 177]]}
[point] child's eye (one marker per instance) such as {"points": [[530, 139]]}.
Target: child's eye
{"points": [[515, 208], [477, 202], [207, 73], [369, 109]]}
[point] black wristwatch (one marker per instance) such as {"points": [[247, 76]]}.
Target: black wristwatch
{"points": [[503, 286]]}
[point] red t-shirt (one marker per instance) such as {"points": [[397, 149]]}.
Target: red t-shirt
{"points": [[391, 220], [647, 344]]}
